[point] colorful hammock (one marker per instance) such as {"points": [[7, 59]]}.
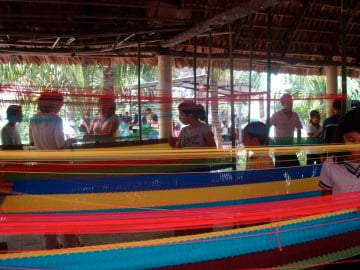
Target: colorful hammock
{"points": [[110, 191]]}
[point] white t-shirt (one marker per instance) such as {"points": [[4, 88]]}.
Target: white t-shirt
{"points": [[194, 136], [316, 131], [285, 126], [340, 177], [316, 139], [46, 131], [10, 135]]}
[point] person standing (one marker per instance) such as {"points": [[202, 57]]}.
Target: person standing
{"points": [[10, 136], [46, 127], [331, 123], [104, 127], [46, 133], [195, 134], [314, 131], [285, 122], [256, 134]]}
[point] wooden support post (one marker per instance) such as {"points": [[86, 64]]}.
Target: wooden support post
{"points": [[268, 67], [194, 67], [344, 17], [250, 69], [139, 90], [208, 78], [232, 97], [165, 95]]}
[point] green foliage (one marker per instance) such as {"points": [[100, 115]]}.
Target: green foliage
{"points": [[306, 91]]}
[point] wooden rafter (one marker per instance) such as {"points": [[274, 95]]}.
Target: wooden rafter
{"points": [[244, 9], [336, 42], [290, 34]]}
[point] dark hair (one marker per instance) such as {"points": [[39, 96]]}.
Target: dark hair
{"points": [[14, 113], [337, 104], [313, 113], [108, 103], [48, 100], [197, 110], [348, 123], [285, 97], [258, 130]]}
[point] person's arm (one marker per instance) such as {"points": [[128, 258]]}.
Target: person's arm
{"points": [[326, 192], [310, 131], [5, 140], [272, 121], [209, 138], [298, 127], [298, 136], [173, 142], [317, 132], [114, 126], [31, 138], [325, 182], [91, 128], [59, 134], [5, 185]]}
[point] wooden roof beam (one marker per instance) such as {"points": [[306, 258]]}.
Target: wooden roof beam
{"points": [[244, 9], [337, 43], [290, 34]]}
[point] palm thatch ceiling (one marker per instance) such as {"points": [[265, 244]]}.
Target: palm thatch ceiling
{"points": [[304, 35]]}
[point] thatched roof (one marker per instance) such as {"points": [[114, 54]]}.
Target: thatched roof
{"points": [[305, 37]]}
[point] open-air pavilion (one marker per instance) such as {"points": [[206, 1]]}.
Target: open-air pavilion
{"points": [[268, 218], [301, 37]]}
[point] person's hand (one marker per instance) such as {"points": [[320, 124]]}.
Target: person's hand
{"points": [[5, 185], [87, 136], [69, 142], [173, 141]]}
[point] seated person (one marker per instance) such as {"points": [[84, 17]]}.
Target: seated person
{"points": [[314, 131], [257, 134], [10, 136], [105, 126], [127, 119], [331, 123], [151, 118], [340, 173]]}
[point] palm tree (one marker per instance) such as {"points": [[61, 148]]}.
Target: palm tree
{"points": [[309, 90]]}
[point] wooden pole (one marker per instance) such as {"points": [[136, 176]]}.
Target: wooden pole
{"points": [[232, 99], [208, 78], [250, 70], [344, 17], [139, 91], [268, 67], [194, 66]]}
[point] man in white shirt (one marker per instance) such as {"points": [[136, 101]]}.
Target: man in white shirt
{"points": [[285, 122]]}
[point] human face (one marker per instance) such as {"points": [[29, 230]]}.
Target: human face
{"points": [[287, 103], [315, 119], [184, 118], [353, 138], [106, 109], [250, 141]]}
